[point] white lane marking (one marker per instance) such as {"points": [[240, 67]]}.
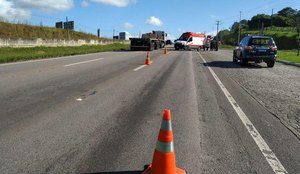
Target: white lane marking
{"points": [[47, 59], [140, 67], [88, 61], [263, 146]]}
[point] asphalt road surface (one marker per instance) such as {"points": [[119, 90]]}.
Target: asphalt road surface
{"points": [[101, 113]]}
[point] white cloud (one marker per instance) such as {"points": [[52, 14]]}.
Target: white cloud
{"points": [[10, 12], [128, 25], [213, 33], [45, 5], [84, 4], [21, 9], [117, 3], [154, 21]]}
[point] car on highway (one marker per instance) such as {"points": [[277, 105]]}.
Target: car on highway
{"points": [[256, 48]]}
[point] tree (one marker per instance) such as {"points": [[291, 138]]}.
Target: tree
{"points": [[280, 21], [287, 12], [297, 25], [260, 20], [235, 26], [288, 15]]}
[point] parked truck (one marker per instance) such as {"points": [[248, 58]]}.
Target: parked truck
{"points": [[149, 41], [190, 40]]}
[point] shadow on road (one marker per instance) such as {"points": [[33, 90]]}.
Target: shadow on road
{"points": [[118, 172], [231, 65]]}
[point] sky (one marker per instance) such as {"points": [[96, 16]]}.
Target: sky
{"points": [[139, 16]]}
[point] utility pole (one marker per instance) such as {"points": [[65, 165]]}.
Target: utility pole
{"points": [[218, 23], [113, 34], [272, 19], [99, 33], [239, 36]]}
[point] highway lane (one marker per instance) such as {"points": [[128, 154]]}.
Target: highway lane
{"points": [[95, 113]]}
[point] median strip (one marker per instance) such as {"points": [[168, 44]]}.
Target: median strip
{"points": [[78, 63], [262, 145]]}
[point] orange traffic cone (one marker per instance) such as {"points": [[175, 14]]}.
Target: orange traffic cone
{"points": [[148, 60], [165, 51], [164, 156]]}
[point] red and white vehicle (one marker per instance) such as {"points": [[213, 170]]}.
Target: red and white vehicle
{"points": [[190, 40]]}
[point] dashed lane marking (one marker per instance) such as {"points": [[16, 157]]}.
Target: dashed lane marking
{"points": [[262, 145], [140, 67], [78, 63]]}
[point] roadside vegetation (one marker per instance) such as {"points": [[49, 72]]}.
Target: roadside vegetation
{"points": [[8, 54], [284, 27], [288, 55], [23, 31]]}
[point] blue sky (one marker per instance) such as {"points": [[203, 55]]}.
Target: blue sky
{"points": [[139, 16]]}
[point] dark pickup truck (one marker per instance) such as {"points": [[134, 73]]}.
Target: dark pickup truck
{"points": [[256, 48]]}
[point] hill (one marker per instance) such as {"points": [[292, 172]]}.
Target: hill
{"points": [[23, 31], [285, 40]]}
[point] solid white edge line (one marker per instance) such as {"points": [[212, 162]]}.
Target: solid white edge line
{"points": [[140, 67], [46, 59], [263, 146], [78, 63]]}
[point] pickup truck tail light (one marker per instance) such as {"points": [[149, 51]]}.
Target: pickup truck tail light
{"points": [[274, 48], [249, 48]]}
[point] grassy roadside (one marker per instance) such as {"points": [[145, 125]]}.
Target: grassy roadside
{"points": [[288, 55], [226, 47], [22, 54]]}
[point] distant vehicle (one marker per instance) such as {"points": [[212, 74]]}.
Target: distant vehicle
{"points": [[207, 42], [256, 48], [214, 44], [190, 40], [169, 42], [149, 41]]}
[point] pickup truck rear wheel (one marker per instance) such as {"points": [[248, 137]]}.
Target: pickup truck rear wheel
{"points": [[234, 59], [243, 61], [271, 63]]}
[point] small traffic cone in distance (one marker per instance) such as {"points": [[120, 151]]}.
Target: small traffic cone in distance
{"points": [[165, 51], [148, 60], [164, 156]]}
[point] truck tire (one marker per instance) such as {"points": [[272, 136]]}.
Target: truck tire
{"points": [[243, 61], [155, 45], [271, 63], [234, 59]]}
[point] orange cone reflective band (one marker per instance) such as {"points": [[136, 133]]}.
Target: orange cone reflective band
{"points": [[164, 156], [148, 61]]}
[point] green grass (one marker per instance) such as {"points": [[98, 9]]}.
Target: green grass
{"points": [[226, 47], [290, 56], [24, 31], [21, 54]]}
